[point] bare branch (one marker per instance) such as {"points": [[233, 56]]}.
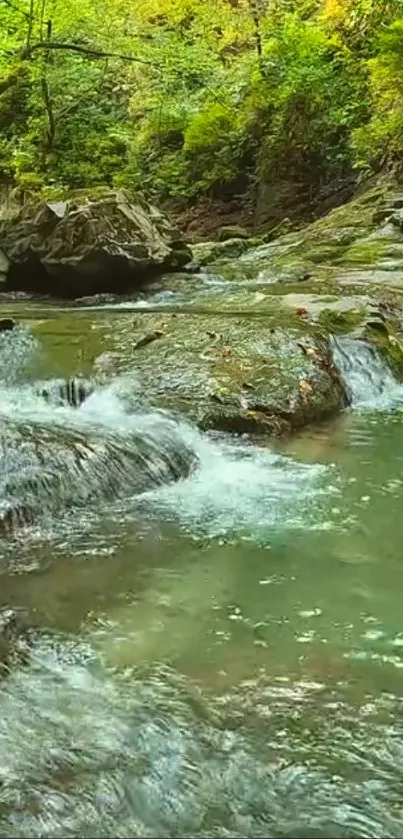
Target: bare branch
{"points": [[15, 8], [30, 22], [49, 112], [88, 52]]}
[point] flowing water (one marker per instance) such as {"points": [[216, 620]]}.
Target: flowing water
{"points": [[217, 639]]}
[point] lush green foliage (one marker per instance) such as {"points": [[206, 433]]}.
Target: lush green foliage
{"points": [[183, 97]]}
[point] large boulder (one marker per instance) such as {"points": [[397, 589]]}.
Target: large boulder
{"points": [[108, 242]]}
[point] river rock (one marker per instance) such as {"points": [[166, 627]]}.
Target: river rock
{"points": [[46, 467], [7, 324], [80, 247], [206, 252], [232, 231], [235, 373], [14, 644]]}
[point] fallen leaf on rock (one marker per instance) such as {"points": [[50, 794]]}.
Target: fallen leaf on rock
{"points": [[308, 351], [305, 387], [152, 336], [226, 351], [301, 311]]}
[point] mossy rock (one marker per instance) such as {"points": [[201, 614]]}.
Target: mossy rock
{"points": [[208, 252], [363, 253], [339, 322], [232, 373], [283, 227], [390, 345], [232, 231], [341, 236], [324, 253]]}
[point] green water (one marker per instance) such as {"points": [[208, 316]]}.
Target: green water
{"points": [[220, 657]]}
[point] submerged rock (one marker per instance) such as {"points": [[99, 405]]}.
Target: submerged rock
{"points": [[7, 324], [14, 644], [71, 392], [85, 246], [106, 364]]}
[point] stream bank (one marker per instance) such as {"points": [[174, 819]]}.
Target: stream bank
{"points": [[242, 343]]}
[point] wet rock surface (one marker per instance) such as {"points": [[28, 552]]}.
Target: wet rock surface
{"points": [[47, 466], [244, 344], [14, 638], [266, 580], [233, 373], [7, 324]]}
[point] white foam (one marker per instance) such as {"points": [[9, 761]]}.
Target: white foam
{"points": [[238, 487]]}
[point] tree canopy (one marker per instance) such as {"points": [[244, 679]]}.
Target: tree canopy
{"points": [[188, 97]]}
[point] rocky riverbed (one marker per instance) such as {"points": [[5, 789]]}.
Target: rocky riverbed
{"points": [[241, 342], [200, 630]]}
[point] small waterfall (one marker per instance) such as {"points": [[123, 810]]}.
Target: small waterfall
{"points": [[73, 391], [369, 381], [74, 444], [55, 454]]}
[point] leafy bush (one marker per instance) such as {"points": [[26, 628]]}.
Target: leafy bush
{"points": [[381, 140]]}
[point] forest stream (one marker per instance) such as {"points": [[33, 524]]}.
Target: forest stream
{"points": [[214, 647], [201, 419]]}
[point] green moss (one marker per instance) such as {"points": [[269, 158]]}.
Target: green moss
{"points": [[364, 253], [324, 253], [340, 322], [227, 372], [208, 252], [391, 348]]}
